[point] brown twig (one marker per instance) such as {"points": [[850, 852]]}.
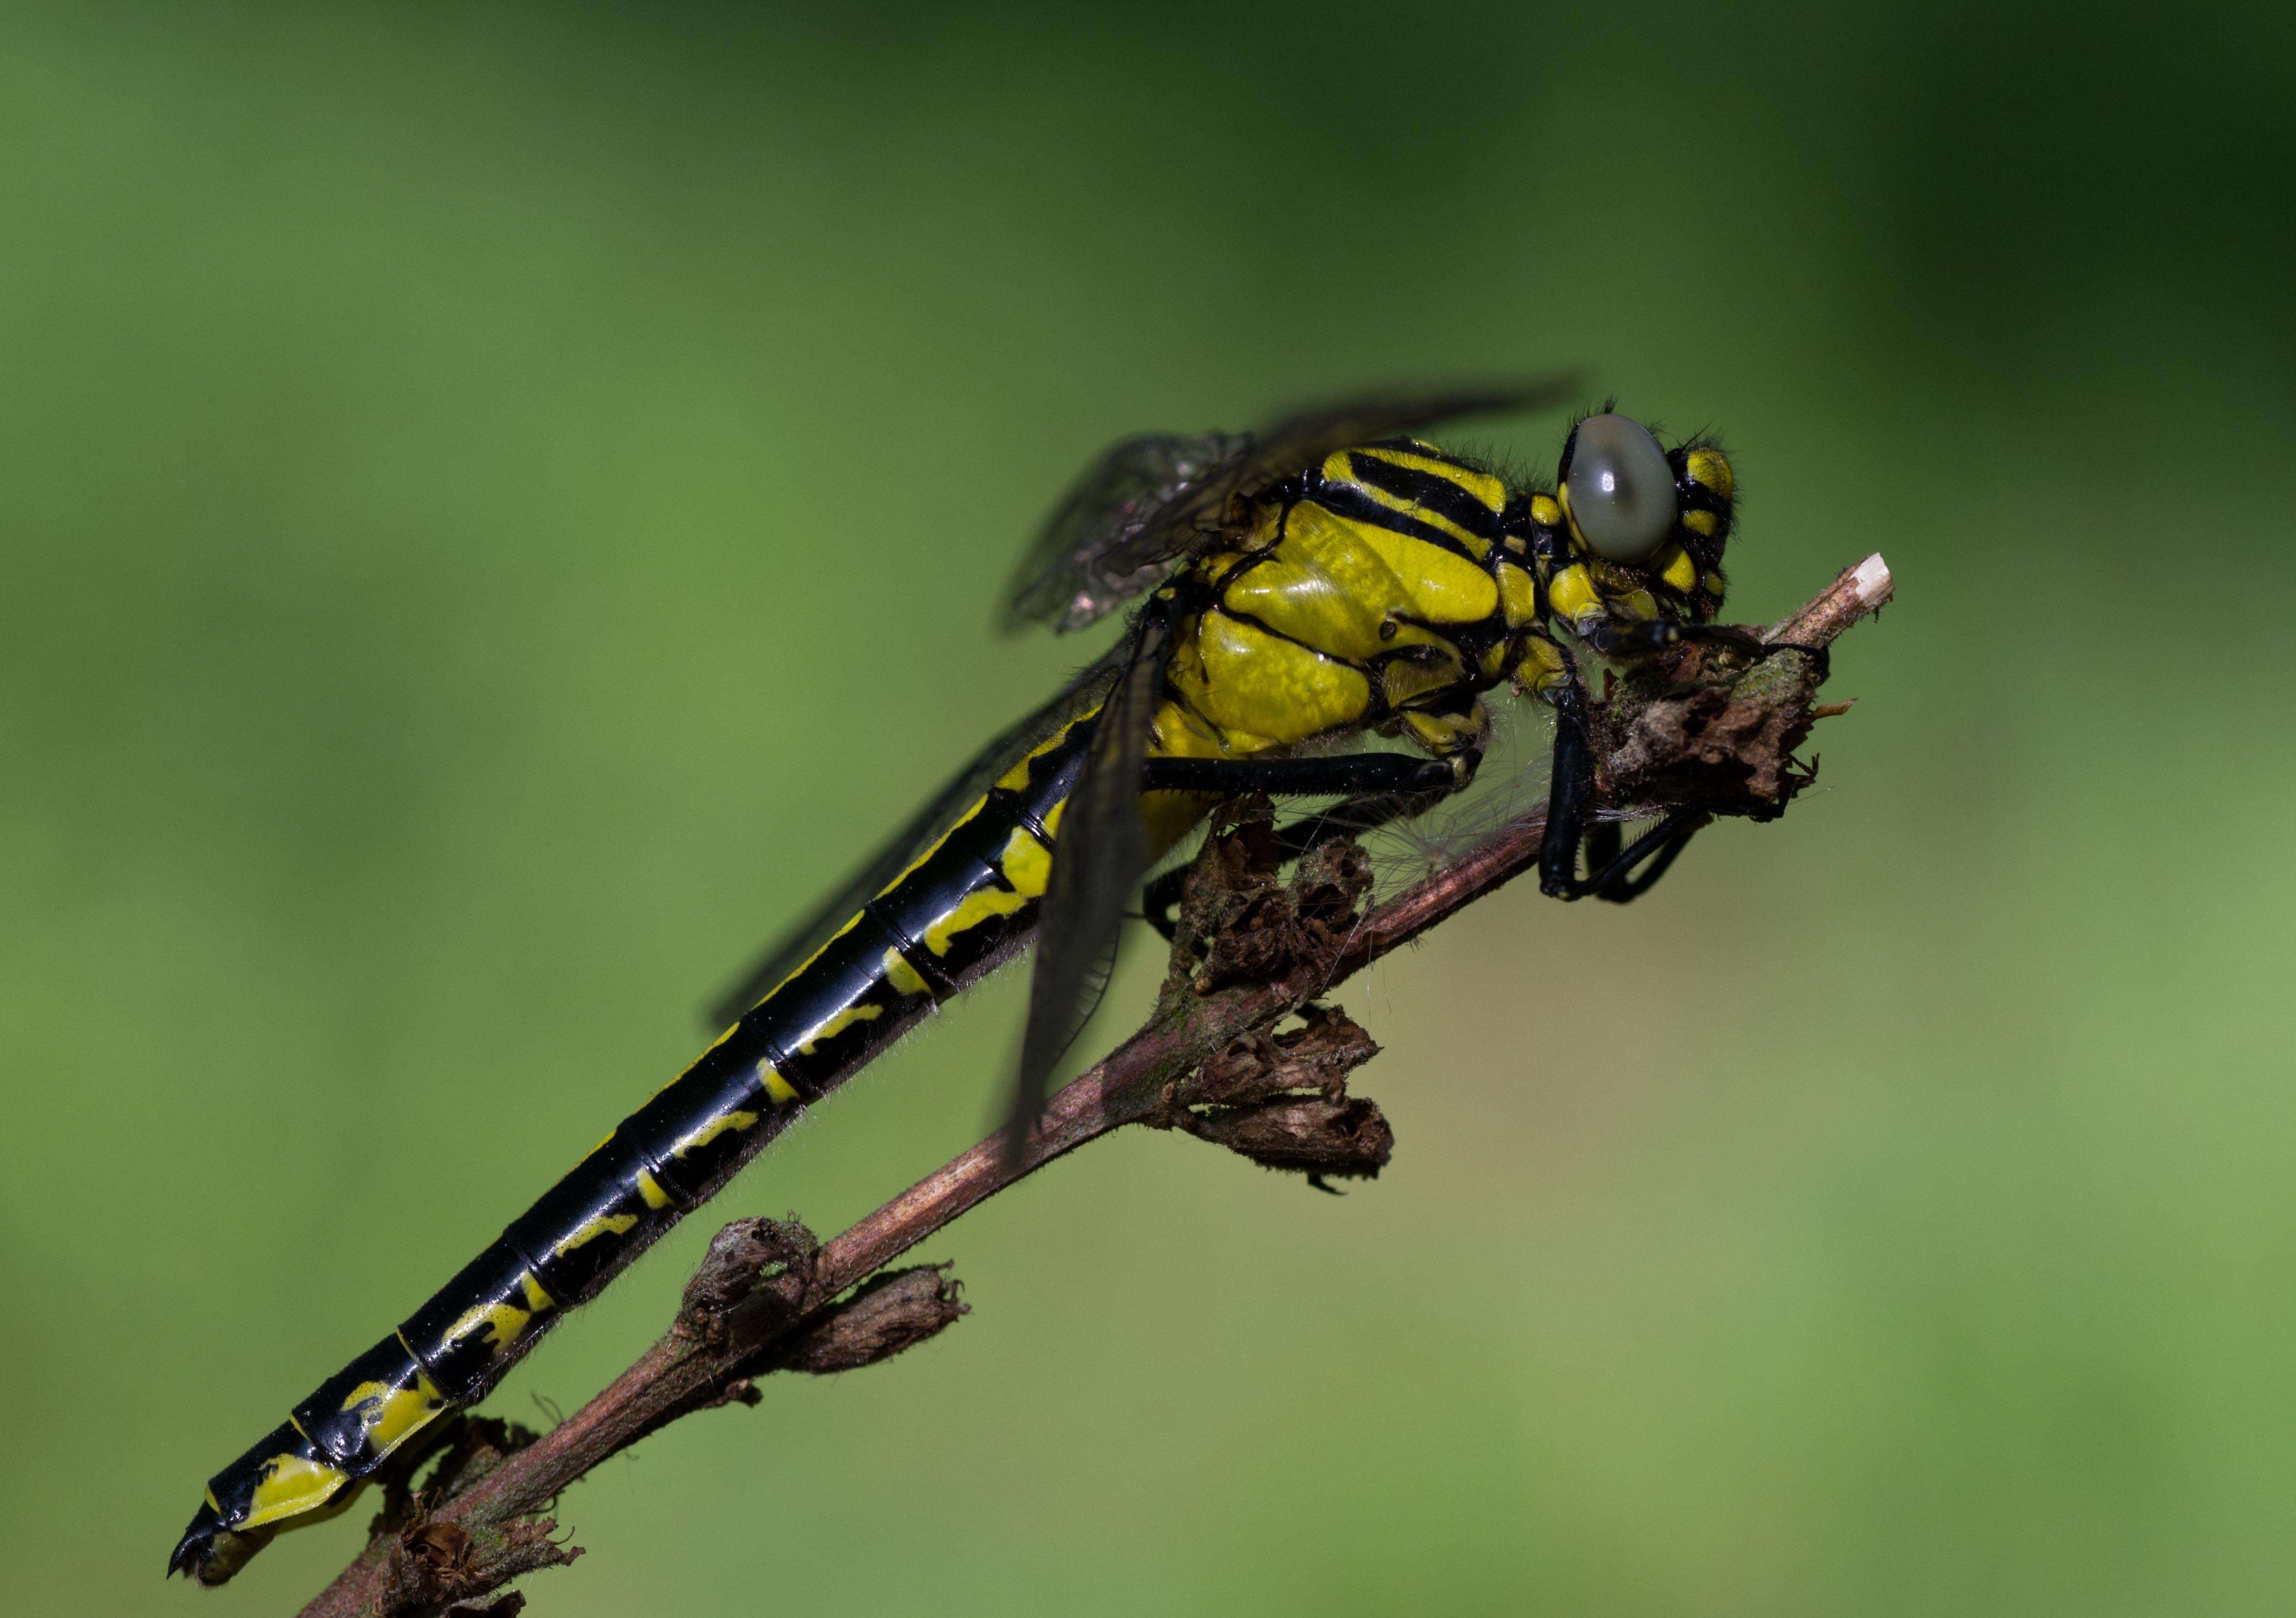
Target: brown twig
{"points": [[1717, 735]]}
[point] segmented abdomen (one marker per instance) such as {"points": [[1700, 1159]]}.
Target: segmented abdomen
{"points": [[964, 906]]}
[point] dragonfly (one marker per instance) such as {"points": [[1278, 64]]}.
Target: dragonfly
{"points": [[1294, 589]]}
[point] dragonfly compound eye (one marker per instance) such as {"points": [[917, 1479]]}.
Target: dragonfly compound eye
{"points": [[1618, 489]]}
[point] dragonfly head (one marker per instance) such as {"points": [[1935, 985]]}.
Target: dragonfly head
{"points": [[1658, 516]]}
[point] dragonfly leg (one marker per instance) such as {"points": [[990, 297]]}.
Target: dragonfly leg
{"points": [[1625, 638], [1570, 824], [1338, 775], [1570, 793], [1612, 639], [1614, 877], [1389, 786]]}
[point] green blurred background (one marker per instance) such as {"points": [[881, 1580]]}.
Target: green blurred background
{"points": [[500, 505]]}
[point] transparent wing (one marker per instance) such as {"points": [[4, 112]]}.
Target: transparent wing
{"points": [[1128, 505], [1098, 860], [1147, 502], [955, 796]]}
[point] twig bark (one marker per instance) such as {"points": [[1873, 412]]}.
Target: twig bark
{"points": [[1714, 732]]}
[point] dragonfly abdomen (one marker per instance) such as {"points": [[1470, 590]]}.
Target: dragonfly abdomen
{"points": [[963, 907]]}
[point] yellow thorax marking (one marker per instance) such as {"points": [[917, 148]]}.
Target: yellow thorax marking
{"points": [[1518, 595], [1181, 735], [1573, 595], [1541, 665], [1444, 589], [1245, 679], [1489, 491], [1322, 588], [1444, 733], [1403, 682], [1485, 491]]}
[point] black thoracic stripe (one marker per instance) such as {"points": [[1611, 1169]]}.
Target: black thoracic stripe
{"points": [[1358, 506], [935, 929], [1425, 488]]}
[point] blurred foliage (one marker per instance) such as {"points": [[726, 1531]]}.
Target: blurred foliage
{"points": [[502, 503]]}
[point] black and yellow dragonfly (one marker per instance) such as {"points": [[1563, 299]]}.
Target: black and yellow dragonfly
{"points": [[1324, 577]]}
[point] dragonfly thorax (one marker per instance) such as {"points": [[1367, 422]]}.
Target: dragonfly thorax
{"points": [[1394, 584]]}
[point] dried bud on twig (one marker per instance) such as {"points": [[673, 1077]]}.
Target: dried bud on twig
{"points": [[890, 1311], [757, 1265], [434, 1562], [1281, 1100], [1240, 924], [1715, 731], [510, 1604], [1345, 1139]]}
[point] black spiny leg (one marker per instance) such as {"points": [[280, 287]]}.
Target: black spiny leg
{"points": [[1378, 788], [1342, 774], [1569, 795], [1571, 823], [1624, 638], [1614, 876], [1613, 873]]}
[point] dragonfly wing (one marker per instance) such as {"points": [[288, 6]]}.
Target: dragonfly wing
{"points": [[1301, 438], [1148, 501], [947, 805], [1100, 853], [1105, 540]]}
